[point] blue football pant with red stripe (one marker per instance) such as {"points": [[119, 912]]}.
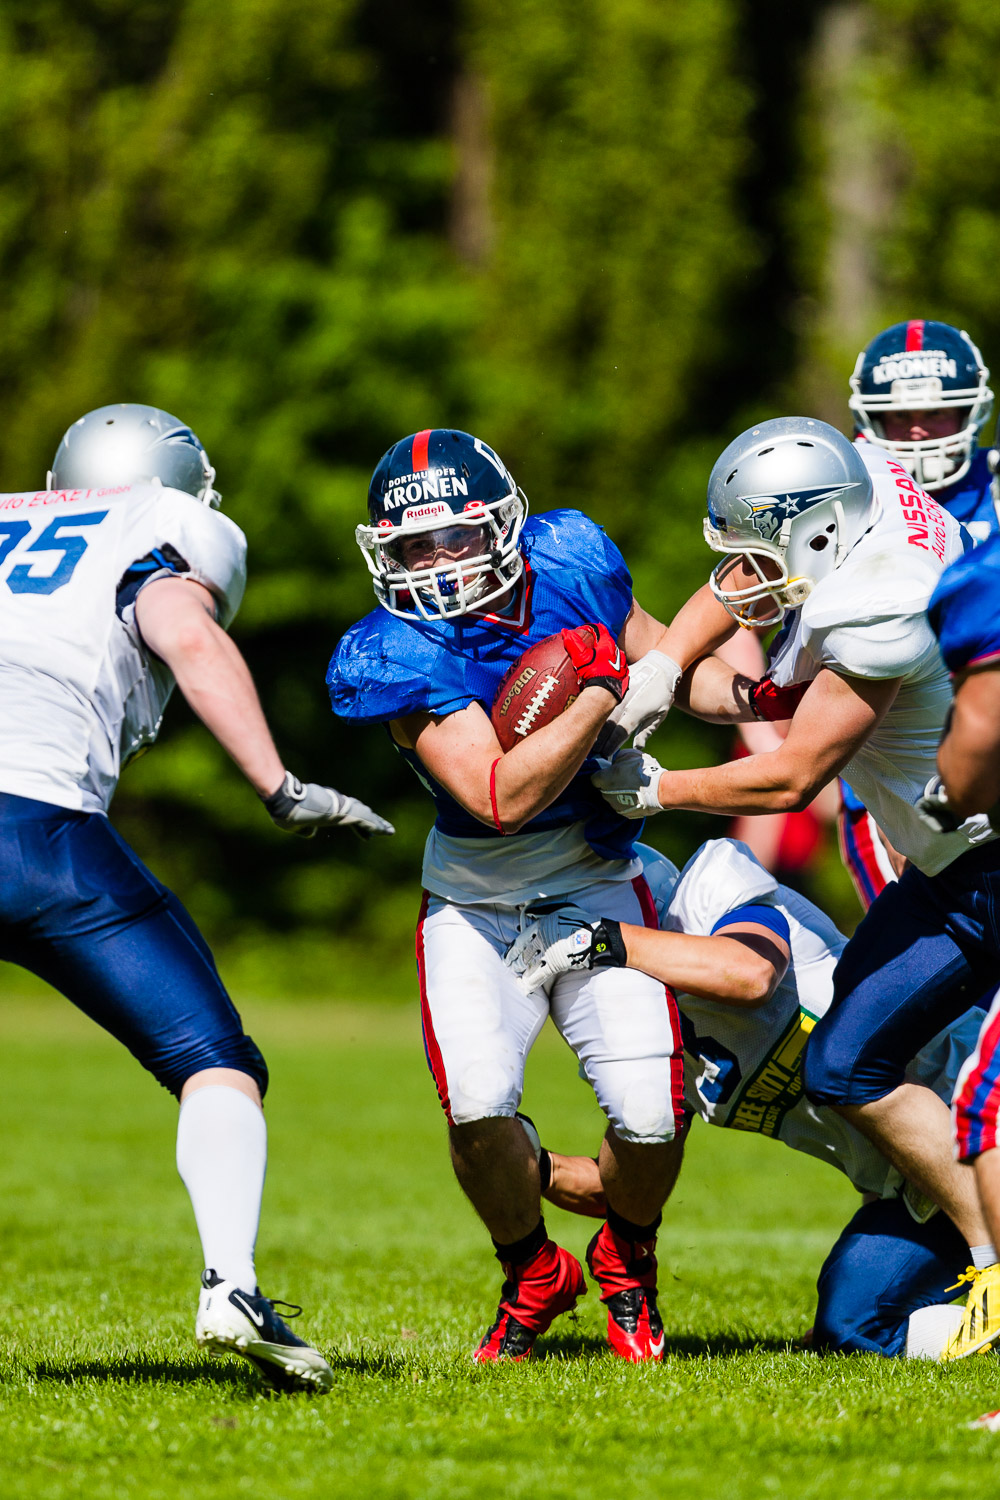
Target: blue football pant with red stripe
{"points": [[926, 951], [79, 908], [977, 1092], [864, 855], [883, 1267]]}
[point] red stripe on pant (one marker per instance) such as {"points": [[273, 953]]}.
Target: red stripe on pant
{"points": [[854, 834], [977, 1106], [434, 1059], [647, 906]]}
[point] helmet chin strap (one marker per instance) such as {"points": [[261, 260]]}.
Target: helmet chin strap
{"points": [[842, 548]]}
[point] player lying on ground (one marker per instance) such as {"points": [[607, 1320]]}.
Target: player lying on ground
{"points": [[752, 963], [920, 392], [965, 615], [465, 584], [840, 543], [115, 583]]}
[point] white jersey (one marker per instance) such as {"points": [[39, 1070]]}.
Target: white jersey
{"points": [[867, 619], [743, 1067], [79, 693]]}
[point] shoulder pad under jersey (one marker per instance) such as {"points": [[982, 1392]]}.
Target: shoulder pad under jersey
{"points": [[721, 876], [212, 545], [386, 668], [867, 619]]}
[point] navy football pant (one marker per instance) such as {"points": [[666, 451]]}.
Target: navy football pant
{"points": [[80, 909], [928, 948], [883, 1267]]}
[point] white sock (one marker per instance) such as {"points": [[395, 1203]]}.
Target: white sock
{"points": [[983, 1256], [222, 1157]]}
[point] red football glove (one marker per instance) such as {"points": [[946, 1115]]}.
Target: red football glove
{"points": [[768, 701], [598, 659]]}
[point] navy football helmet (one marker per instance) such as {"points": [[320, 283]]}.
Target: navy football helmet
{"points": [[133, 444], [923, 366], [444, 521]]}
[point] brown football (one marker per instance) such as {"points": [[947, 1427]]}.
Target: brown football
{"points": [[537, 689]]}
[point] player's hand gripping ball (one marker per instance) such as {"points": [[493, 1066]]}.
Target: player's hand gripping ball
{"points": [[550, 676]]}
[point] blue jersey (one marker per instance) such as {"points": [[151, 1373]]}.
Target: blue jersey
{"points": [[971, 500], [964, 610], [385, 667]]}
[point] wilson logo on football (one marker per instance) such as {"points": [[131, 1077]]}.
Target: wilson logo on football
{"points": [[516, 688]]}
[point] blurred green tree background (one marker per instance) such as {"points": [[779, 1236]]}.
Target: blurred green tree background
{"points": [[605, 235]]}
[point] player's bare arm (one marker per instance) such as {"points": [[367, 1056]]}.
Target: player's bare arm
{"points": [[462, 752], [969, 755], [741, 964], [176, 619], [834, 718]]}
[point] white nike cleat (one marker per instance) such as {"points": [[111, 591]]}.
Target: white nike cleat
{"points": [[231, 1321]]}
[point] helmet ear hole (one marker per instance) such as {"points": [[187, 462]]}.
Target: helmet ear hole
{"points": [[820, 543]]}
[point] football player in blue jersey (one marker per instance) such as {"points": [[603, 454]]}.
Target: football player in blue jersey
{"points": [[116, 583], [465, 584], [964, 612], [921, 392]]}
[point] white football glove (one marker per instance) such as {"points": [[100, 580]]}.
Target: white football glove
{"points": [[629, 783], [560, 941], [303, 807], [652, 683]]}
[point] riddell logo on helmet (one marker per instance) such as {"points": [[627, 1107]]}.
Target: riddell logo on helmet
{"points": [[436, 484], [419, 513], [915, 367]]}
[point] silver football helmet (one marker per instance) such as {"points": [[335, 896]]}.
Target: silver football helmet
{"points": [[787, 500], [133, 444]]}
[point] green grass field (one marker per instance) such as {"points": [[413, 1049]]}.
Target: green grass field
{"points": [[102, 1392]]}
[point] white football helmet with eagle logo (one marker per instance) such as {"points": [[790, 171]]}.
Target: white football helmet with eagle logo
{"points": [[787, 500]]}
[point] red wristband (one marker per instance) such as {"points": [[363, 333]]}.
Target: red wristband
{"points": [[493, 797]]}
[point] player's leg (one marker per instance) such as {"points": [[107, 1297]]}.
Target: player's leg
{"points": [[884, 1268], [902, 977], [94, 923], [865, 857], [976, 1106], [478, 1029], [625, 1029]]}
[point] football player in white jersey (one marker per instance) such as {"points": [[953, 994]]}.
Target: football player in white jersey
{"points": [[117, 581], [843, 547], [752, 963]]}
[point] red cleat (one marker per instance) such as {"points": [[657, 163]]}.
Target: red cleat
{"points": [[626, 1273], [534, 1292]]}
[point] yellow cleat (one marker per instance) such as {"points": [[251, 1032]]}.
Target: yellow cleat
{"points": [[980, 1328]]}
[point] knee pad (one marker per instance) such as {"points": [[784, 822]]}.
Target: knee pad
{"points": [[485, 1089], [641, 1111]]}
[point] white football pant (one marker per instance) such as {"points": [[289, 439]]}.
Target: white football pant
{"points": [[479, 1025]]}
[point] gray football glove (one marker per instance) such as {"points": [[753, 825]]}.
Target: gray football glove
{"points": [[303, 807], [652, 683], [933, 809], [560, 941], [630, 782]]}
